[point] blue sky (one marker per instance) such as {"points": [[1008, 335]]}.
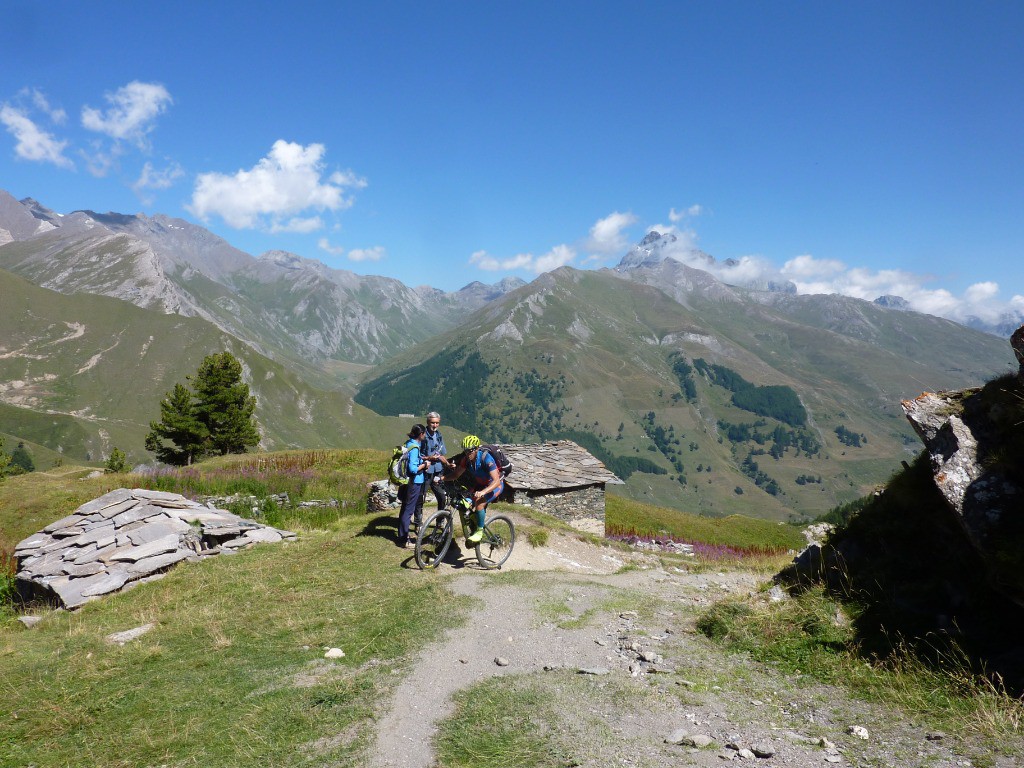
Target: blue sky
{"points": [[865, 148]]}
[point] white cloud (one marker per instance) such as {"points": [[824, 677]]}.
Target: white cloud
{"points": [[693, 211], [57, 115], [828, 276], [298, 224], [325, 245], [367, 254], [133, 110], [608, 236], [806, 266], [269, 196], [100, 161], [558, 256], [33, 143], [376, 253], [150, 178]]}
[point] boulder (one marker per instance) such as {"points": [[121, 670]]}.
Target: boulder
{"points": [[965, 434]]}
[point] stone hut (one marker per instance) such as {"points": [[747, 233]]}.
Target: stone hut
{"points": [[558, 478]]}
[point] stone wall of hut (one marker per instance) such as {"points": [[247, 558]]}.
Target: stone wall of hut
{"points": [[565, 503]]}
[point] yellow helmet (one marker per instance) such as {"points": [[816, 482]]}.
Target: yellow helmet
{"points": [[470, 441]]}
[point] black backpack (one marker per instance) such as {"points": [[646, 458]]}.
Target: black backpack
{"points": [[504, 465]]}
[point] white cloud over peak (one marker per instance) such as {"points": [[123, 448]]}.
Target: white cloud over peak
{"points": [[367, 254], [981, 300], [608, 236], [376, 253], [325, 245], [272, 194], [676, 216], [132, 113], [33, 143], [558, 256], [298, 224]]}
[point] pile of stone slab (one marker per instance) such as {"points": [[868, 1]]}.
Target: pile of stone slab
{"points": [[124, 537]]}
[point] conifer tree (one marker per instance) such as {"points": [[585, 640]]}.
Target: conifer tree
{"points": [[4, 460], [224, 405], [215, 417], [21, 459], [179, 425]]}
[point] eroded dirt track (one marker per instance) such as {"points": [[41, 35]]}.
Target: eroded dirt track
{"points": [[617, 651]]}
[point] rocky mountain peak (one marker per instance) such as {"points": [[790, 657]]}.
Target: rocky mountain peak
{"points": [[892, 302]]}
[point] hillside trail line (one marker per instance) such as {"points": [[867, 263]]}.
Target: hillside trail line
{"points": [[527, 621]]}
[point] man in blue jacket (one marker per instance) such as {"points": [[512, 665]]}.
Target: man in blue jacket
{"points": [[435, 452]]}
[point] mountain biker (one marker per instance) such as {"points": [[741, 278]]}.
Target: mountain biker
{"points": [[484, 473], [414, 489]]}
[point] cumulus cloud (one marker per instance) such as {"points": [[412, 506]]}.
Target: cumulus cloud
{"points": [[274, 192], [693, 211], [325, 245], [980, 300], [608, 235], [298, 224], [558, 256], [132, 113], [39, 100], [33, 143], [152, 178], [367, 254], [376, 253]]}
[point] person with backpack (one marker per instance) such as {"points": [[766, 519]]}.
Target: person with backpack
{"points": [[413, 489], [484, 473]]}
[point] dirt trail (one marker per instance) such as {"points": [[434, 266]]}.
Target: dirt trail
{"points": [[693, 687]]}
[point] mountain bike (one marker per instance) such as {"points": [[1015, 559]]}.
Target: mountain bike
{"points": [[435, 535]]}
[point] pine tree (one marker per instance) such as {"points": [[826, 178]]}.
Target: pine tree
{"points": [[224, 405], [215, 417], [4, 460], [178, 423], [21, 459]]}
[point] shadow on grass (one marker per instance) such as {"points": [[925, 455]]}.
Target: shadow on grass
{"points": [[906, 568]]}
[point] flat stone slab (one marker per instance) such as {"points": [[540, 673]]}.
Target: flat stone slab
{"points": [[166, 543], [126, 537], [120, 638]]}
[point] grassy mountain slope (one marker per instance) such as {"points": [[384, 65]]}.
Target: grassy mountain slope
{"points": [[591, 355], [87, 373]]}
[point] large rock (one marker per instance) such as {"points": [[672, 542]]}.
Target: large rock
{"points": [[966, 437], [123, 537], [1017, 343]]}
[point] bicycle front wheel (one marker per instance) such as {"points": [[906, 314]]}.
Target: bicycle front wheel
{"points": [[497, 542], [433, 540]]}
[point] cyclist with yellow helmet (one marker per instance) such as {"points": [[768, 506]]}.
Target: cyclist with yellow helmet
{"points": [[484, 473]]}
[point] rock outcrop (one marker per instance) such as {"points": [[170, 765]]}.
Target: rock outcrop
{"points": [[939, 553], [974, 442], [124, 537]]}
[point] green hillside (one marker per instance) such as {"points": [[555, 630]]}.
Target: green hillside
{"points": [[85, 373], [717, 407]]}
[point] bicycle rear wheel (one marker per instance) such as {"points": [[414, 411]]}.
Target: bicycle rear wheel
{"points": [[497, 542], [433, 540]]}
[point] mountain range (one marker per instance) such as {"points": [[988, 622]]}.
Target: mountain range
{"points": [[702, 395]]}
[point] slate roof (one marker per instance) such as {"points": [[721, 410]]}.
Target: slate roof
{"points": [[556, 464]]}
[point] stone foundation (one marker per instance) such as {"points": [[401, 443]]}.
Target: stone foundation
{"points": [[584, 502]]}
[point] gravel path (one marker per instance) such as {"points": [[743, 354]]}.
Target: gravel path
{"points": [[688, 691]]}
